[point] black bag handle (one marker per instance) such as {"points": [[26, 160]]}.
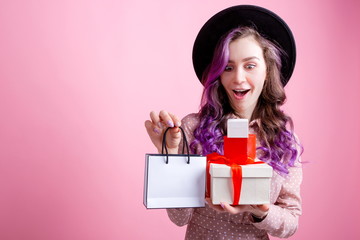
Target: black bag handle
{"points": [[185, 143]]}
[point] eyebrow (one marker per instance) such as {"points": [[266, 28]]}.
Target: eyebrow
{"points": [[247, 59]]}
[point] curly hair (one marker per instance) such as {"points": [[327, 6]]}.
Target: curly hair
{"points": [[274, 129]]}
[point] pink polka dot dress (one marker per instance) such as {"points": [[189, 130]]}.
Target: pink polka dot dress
{"points": [[281, 220]]}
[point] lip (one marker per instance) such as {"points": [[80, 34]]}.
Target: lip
{"points": [[240, 97]]}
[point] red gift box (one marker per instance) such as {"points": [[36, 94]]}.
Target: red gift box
{"points": [[240, 148]]}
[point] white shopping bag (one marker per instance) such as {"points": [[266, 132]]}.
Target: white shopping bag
{"points": [[174, 180]]}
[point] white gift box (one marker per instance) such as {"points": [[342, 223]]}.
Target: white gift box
{"points": [[237, 128], [255, 187]]}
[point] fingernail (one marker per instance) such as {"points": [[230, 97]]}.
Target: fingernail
{"points": [[222, 205], [170, 123], [178, 124], [156, 130], [160, 125]]}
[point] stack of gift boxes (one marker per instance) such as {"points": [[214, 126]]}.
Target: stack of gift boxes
{"points": [[237, 177]]}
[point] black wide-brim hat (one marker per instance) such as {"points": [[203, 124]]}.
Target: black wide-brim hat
{"points": [[267, 23]]}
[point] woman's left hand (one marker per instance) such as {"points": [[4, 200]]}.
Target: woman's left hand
{"points": [[259, 211]]}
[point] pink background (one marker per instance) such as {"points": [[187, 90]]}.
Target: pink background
{"points": [[78, 79]]}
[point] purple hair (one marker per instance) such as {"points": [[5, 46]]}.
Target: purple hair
{"points": [[279, 147]]}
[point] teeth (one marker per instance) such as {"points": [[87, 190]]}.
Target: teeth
{"points": [[241, 91]]}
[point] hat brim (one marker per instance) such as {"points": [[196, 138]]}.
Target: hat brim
{"points": [[267, 23]]}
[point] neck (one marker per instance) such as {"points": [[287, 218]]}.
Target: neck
{"points": [[245, 113]]}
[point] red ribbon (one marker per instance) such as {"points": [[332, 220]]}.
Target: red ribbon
{"points": [[235, 163]]}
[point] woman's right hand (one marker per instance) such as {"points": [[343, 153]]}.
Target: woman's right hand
{"points": [[157, 126]]}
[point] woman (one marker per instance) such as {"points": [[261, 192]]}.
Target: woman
{"points": [[243, 78]]}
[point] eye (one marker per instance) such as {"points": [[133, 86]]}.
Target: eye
{"points": [[250, 66], [228, 68]]}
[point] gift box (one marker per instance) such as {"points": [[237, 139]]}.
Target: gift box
{"points": [[255, 184], [236, 177]]}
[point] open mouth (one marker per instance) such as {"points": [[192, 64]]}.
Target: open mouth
{"points": [[241, 93]]}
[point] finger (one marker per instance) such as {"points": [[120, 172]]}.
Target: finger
{"points": [[151, 128], [233, 209], [260, 211], [175, 133], [166, 119], [217, 208], [263, 207], [155, 119], [175, 119], [228, 208]]}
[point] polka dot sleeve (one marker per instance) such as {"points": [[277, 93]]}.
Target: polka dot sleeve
{"points": [[180, 216], [283, 215]]}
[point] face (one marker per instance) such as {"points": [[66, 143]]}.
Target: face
{"points": [[244, 75]]}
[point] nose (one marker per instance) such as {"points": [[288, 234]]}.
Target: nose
{"points": [[239, 76]]}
